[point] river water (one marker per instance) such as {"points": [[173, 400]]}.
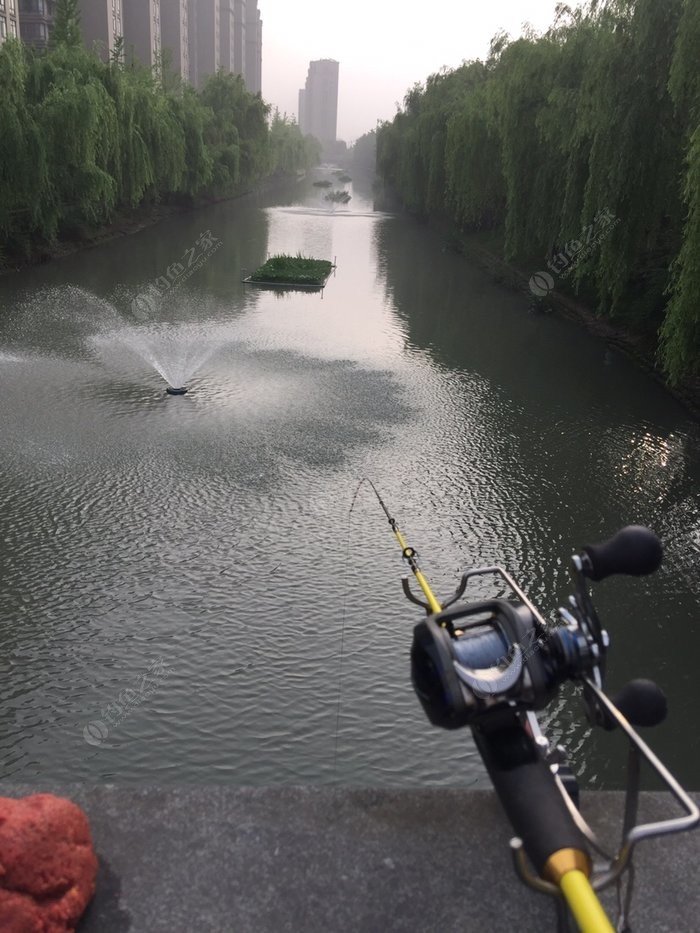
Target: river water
{"points": [[180, 576]]}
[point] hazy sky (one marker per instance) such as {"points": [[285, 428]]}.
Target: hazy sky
{"points": [[383, 46]]}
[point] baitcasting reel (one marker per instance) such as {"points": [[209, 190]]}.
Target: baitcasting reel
{"points": [[492, 665], [472, 659]]}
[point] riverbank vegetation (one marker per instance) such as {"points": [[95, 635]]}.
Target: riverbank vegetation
{"points": [[293, 270], [577, 153], [83, 141]]}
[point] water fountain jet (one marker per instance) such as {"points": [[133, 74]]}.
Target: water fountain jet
{"points": [[171, 390]]}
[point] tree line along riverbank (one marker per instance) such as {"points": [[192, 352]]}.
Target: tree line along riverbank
{"points": [[87, 144], [576, 155]]}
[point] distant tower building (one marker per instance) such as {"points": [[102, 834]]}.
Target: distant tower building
{"points": [[142, 31], [35, 21], [253, 47], [318, 102], [174, 32], [101, 21], [205, 40]]}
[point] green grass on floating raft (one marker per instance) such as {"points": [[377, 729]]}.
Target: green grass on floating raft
{"points": [[293, 270], [338, 197], [323, 183]]}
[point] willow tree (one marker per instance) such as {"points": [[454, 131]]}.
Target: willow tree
{"points": [[79, 183], [236, 133], [680, 334], [635, 155], [533, 170], [364, 152], [193, 118], [23, 161], [66, 25], [565, 120], [473, 168], [290, 150]]}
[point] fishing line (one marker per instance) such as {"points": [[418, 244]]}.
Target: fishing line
{"points": [[342, 625], [409, 554]]}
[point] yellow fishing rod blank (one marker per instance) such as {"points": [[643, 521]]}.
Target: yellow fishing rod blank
{"points": [[584, 904]]}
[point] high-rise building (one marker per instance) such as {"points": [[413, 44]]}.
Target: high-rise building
{"points": [[232, 28], [226, 35], [318, 101], [9, 24], [174, 32], [205, 40], [239, 24], [101, 22], [35, 21], [253, 47], [142, 31]]}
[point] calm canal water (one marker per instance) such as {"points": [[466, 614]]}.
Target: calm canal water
{"points": [[176, 572]]}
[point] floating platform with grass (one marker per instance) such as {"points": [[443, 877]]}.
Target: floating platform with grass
{"points": [[323, 183], [338, 197], [299, 271]]}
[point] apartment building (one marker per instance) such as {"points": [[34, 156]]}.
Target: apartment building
{"points": [[205, 40], [194, 37], [102, 23], [142, 31], [253, 47], [318, 101], [174, 32], [9, 23], [35, 21]]}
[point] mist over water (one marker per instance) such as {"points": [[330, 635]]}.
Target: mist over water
{"points": [[205, 543]]}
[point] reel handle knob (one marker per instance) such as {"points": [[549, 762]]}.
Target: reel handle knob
{"points": [[635, 550], [642, 702]]}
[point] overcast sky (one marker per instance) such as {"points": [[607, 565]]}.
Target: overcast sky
{"points": [[383, 46]]}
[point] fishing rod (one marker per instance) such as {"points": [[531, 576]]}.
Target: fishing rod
{"points": [[409, 554], [492, 665]]}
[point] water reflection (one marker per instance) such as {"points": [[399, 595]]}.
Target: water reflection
{"points": [[213, 531], [578, 443]]}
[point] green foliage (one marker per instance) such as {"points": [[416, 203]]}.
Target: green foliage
{"points": [[297, 270], [599, 116], [66, 28], [23, 163], [236, 133], [364, 153], [290, 149], [680, 334], [81, 139]]}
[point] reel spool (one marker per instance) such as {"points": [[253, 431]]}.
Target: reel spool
{"points": [[471, 660]]}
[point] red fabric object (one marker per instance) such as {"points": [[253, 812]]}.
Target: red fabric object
{"points": [[47, 864]]}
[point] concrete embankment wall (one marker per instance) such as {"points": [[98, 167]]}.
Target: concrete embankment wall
{"points": [[336, 860]]}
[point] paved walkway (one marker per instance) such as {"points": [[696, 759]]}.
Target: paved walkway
{"points": [[336, 860]]}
